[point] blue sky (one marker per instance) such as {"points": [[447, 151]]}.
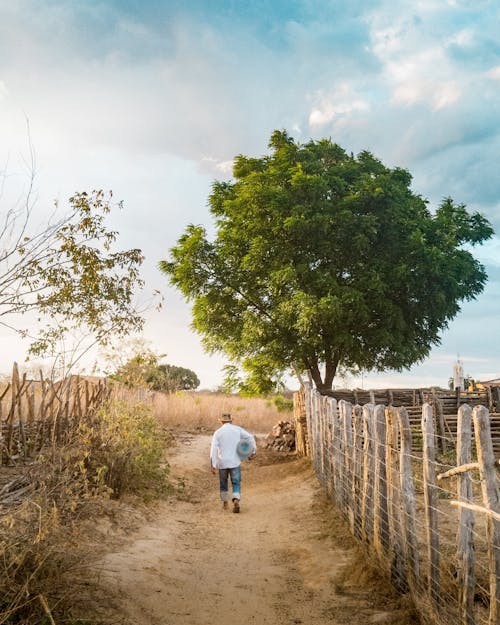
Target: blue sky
{"points": [[154, 99]]}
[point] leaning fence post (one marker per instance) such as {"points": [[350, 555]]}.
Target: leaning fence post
{"points": [[491, 499], [465, 541], [429, 480]]}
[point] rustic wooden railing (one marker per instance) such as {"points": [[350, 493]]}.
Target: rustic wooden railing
{"points": [[37, 413], [430, 518]]}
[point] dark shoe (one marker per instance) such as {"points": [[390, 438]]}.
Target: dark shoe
{"points": [[236, 506]]}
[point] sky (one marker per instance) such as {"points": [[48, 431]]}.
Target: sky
{"points": [[153, 100]]}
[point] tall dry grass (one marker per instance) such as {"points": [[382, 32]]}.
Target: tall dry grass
{"points": [[202, 411]]}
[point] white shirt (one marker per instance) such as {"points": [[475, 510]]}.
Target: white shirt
{"points": [[224, 442]]}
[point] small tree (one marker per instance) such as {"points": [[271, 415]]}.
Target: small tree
{"points": [[324, 260], [67, 275]]}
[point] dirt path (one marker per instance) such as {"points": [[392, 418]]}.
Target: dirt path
{"points": [[285, 559]]}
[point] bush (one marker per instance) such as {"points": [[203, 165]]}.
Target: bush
{"points": [[126, 450], [283, 404]]}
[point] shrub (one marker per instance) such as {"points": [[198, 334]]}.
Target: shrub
{"points": [[282, 403], [126, 450]]}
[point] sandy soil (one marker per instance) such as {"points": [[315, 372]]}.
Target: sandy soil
{"points": [[287, 558]]}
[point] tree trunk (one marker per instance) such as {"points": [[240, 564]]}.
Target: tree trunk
{"points": [[330, 370]]}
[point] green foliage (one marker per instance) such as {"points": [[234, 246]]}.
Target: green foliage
{"points": [[252, 378], [283, 404], [142, 369], [325, 259], [125, 450], [136, 371], [69, 274], [170, 379]]}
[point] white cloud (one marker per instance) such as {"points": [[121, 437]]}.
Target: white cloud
{"points": [[494, 73], [445, 95], [3, 90], [423, 76], [462, 38], [340, 102]]}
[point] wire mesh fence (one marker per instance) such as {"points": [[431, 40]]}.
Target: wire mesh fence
{"points": [[429, 513]]}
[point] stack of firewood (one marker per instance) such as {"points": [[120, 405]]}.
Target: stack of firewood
{"points": [[282, 437]]}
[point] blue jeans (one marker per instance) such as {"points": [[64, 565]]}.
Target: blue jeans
{"points": [[224, 475]]}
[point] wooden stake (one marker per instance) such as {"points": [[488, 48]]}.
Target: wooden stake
{"points": [[491, 500], [430, 500]]}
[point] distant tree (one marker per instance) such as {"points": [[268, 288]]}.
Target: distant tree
{"points": [[170, 379], [137, 371], [67, 274], [324, 260], [135, 364]]}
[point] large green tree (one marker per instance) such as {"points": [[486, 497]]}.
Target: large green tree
{"points": [[322, 259]]}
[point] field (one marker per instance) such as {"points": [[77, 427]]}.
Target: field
{"points": [[201, 411]]}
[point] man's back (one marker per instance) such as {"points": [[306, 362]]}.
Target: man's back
{"points": [[224, 443]]}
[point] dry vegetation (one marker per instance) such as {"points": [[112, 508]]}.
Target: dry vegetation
{"points": [[44, 506], [201, 411]]}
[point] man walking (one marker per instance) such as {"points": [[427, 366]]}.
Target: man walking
{"points": [[230, 443]]}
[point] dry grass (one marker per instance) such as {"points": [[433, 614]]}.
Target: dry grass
{"points": [[42, 553], [201, 411]]}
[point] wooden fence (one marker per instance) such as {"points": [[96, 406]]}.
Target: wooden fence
{"points": [[431, 520], [37, 413]]}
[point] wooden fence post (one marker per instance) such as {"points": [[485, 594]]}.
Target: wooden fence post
{"points": [[398, 572], [346, 461], [440, 422], [465, 541], [409, 531], [308, 410], [430, 499], [368, 474], [323, 436], [491, 500], [331, 409], [380, 520], [299, 412], [316, 428], [337, 447], [357, 464]]}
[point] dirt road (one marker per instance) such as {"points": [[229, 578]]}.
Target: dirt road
{"points": [[285, 559]]}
